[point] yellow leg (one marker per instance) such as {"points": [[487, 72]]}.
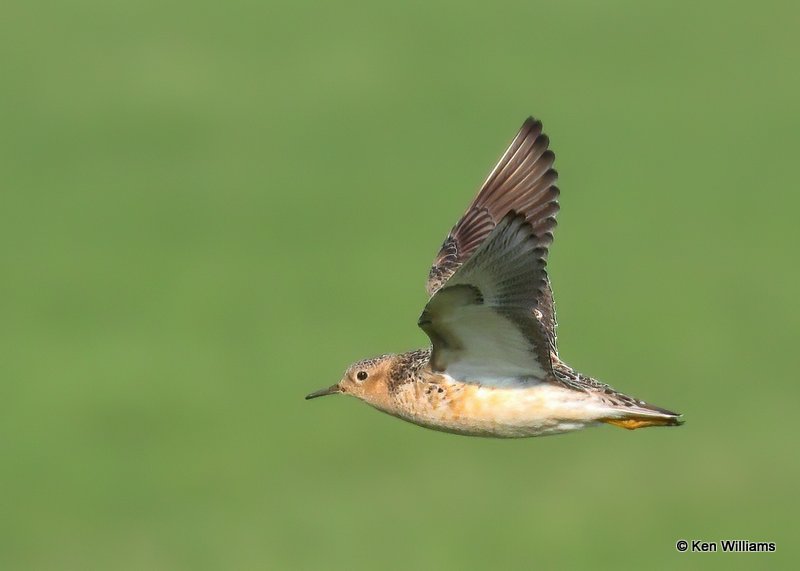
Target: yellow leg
{"points": [[634, 423]]}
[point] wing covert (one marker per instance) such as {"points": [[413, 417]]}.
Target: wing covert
{"points": [[482, 321]]}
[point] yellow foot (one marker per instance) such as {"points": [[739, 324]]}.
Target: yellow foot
{"points": [[634, 423]]}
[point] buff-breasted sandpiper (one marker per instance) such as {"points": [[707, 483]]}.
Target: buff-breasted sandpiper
{"points": [[493, 368]]}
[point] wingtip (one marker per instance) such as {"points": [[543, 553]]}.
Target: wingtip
{"points": [[531, 120], [530, 126]]}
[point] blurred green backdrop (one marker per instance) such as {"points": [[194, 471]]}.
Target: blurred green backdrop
{"points": [[210, 208]]}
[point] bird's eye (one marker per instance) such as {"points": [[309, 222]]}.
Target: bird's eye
{"points": [[361, 375]]}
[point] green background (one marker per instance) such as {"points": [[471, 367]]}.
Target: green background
{"points": [[208, 209]]}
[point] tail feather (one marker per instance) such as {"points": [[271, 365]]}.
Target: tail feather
{"points": [[614, 407], [645, 416]]}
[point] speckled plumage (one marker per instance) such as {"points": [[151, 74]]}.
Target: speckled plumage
{"points": [[408, 368], [493, 368]]}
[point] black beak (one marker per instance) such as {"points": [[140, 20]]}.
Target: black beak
{"points": [[332, 390]]}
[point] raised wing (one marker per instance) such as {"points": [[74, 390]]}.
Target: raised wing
{"points": [[523, 182], [481, 322]]}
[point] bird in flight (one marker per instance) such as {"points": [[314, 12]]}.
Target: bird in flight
{"points": [[493, 368]]}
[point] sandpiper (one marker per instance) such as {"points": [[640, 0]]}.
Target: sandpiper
{"points": [[493, 368]]}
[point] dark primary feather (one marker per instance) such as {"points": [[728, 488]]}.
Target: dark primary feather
{"points": [[523, 181]]}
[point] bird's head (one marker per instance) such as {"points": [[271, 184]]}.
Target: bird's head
{"points": [[367, 380]]}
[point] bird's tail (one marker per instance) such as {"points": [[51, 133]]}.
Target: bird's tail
{"points": [[644, 415]]}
